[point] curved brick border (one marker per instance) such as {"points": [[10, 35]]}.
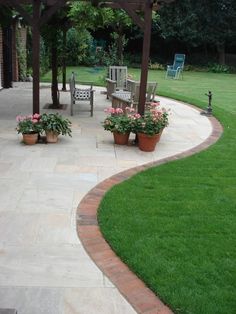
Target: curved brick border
{"points": [[142, 299]]}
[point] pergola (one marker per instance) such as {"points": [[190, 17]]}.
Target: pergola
{"points": [[38, 18]]}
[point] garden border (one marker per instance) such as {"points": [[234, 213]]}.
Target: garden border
{"points": [[143, 300]]}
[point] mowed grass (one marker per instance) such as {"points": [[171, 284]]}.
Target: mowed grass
{"points": [[85, 74], [192, 88], [175, 224]]}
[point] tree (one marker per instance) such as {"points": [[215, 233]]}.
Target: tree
{"points": [[200, 23], [85, 16], [119, 21]]}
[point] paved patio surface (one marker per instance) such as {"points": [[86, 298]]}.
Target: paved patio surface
{"points": [[43, 266]]}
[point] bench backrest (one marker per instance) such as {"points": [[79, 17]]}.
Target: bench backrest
{"points": [[118, 74], [134, 87]]}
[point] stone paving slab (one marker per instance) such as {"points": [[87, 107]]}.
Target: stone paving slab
{"points": [[7, 311], [43, 266]]}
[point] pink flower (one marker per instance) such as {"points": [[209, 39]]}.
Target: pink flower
{"points": [[110, 110], [119, 110], [129, 109], [153, 104], [137, 116], [34, 121], [36, 116], [19, 118]]}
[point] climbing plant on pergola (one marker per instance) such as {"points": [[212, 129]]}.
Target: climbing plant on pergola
{"points": [[39, 17]]}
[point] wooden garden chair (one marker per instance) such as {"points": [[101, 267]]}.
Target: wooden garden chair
{"points": [[81, 94]]}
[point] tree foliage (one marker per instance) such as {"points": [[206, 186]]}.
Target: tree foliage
{"points": [[85, 16], [202, 22]]}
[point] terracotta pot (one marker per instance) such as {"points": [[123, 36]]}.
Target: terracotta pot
{"points": [[51, 137], [30, 139], [120, 138], [147, 143], [160, 133]]}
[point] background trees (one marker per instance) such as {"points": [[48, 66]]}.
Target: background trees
{"points": [[204, 30], [202, 23]]}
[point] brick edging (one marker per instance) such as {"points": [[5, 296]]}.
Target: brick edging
{"points": [[143, 300]]}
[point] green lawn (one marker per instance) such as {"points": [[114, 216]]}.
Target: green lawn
{"points": [[192, 88], [85, 74], [175, 224]]}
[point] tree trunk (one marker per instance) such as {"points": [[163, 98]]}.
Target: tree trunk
{"points": [[120, 48], [205, 51], [221, 53], [55, 92]]}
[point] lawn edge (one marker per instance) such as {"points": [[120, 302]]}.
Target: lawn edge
{"points": [[140, 297]]}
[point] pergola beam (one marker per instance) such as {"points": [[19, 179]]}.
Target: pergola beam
{"points": [[46, 2], [130, 11], [51, 10], [20, 9], [130, 6]]}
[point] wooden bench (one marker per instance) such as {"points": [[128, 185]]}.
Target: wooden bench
{"points": [[122, 99]]}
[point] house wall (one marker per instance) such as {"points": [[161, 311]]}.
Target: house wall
{"points": [[16, 31]]}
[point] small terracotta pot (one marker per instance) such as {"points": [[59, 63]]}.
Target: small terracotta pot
{"points": [[120, 138], [51, 137], [147, 143], [30, 139]]}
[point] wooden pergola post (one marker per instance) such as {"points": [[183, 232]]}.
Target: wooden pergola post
{"points": [[36, 52], [145, 55], [131, 7]]}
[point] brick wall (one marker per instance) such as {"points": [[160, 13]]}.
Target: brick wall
{"points": [[22, 33], [15, 70]]}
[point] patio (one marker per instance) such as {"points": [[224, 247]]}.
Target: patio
{"points": [[44, 268]]}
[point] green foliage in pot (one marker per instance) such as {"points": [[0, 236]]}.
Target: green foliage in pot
{"points": [[117, 121], [29, 124], [56, 123], [152, 122]]}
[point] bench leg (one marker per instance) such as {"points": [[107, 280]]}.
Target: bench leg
{"points": [[71, 107]]}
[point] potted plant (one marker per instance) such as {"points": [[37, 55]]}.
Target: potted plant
{"points": [[119, 123], [149, 127], [54, 124], [29, 126]]}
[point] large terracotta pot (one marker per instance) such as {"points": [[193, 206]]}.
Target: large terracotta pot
{"points": [[147, 143], [30, 139], [120, 138], [160, 133], [51, 137]]}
